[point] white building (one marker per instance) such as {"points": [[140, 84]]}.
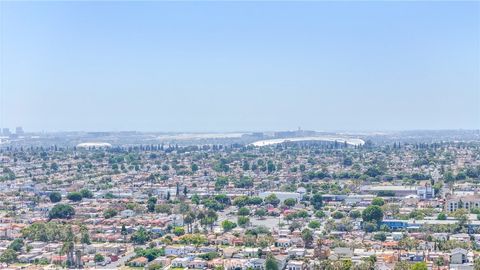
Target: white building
{"points": [[458, 202], [426, 192]]}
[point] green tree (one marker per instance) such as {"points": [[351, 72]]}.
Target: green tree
{"points": [[141, 236], [16, 244], [178, 231], [99, 258], [84, 235], [55, 197], [194, 167], [290, 202], [221, 182], [195, 199], [109, 213], [189, 219], [86, 193], [419, 266], [8, 256], [347, 161], [255, 200], [210, 218], [442, 216], [244, 182], [408, 243], [402, 265], [317, 201], [243, 221], [271, 263], [62, 211], [314, 224], [261, 212], [373, 171], [124, 232], [272, 199], [307, 237], [380, 236], [74, 196], [163, 208], [378, 201], [270, 166], [151, 202], [241, 201], [338, 215], [302, 167], [355, 214], [246, 165], [243, 211], [228, 225], [320, 214], [373, 213], [54, 167], [476, 265]]}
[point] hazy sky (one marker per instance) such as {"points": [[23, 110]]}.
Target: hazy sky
{"points": [[225, 66]]}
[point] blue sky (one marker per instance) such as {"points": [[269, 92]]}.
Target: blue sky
{"points": [[229, 66]]}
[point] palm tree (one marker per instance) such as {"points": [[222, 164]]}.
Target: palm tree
{"points": [[85, 237], [212, 217]]}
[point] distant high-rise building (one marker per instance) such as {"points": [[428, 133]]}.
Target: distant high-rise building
{"points": [[6, 132], [19, 131]]}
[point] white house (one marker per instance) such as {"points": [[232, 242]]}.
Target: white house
{"points": [[295, 265]]}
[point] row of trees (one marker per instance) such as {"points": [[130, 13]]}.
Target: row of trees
{"points": [[72, 196]]}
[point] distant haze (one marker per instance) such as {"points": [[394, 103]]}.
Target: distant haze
{"points": [[232, 66]]}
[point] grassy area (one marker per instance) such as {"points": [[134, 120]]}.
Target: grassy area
{"points": [[21, 264]]}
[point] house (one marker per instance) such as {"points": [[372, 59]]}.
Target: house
{"points": [[341, 252], [127, 213], [296, 252], [174, 250], [180, 262], [164, 261], [295, 265], [235, 264], [217, 262], [28, 258], [394, 224], [281, 260], [458, 256], [207, 249], [463, 237], [229, 252], [415, 257], [256, 263], [440, 236], [283, 242], [397, 236], [250, 252], [138, 262], [197, 264]]}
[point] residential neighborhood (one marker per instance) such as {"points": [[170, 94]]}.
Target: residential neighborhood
{"points": [[291, 205]]}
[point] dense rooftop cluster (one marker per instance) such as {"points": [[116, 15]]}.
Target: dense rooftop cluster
{"points": [[294, 206]]}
